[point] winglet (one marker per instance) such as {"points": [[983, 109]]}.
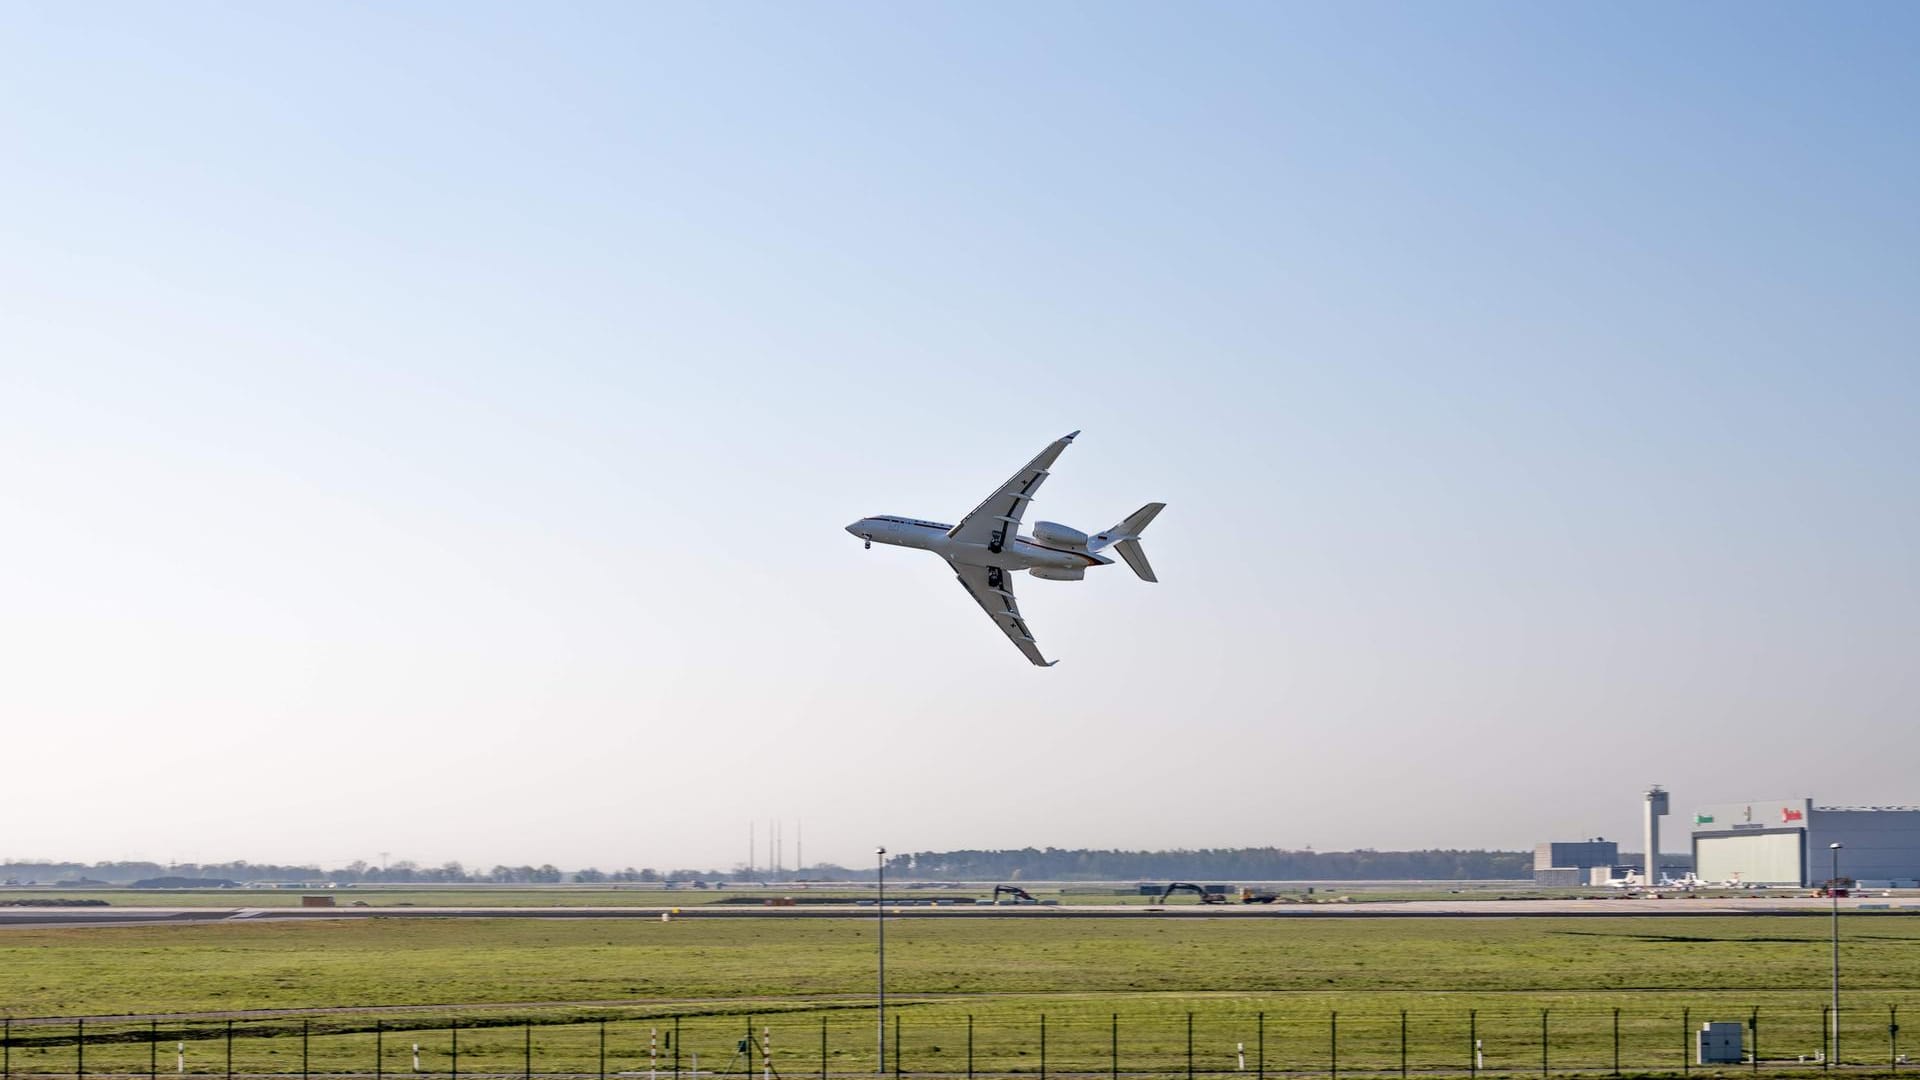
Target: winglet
{"points": [[1070, 436]]}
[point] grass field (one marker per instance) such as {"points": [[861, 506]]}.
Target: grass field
{"points": [[805, 977]]}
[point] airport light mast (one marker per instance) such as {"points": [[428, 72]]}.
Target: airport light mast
{"points": [[880, 917], [1833, 892]]}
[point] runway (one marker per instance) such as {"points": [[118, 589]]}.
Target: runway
{"points": [[20, 917]]}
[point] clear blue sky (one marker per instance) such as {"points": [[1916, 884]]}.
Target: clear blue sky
{"points": [[429, 428]]}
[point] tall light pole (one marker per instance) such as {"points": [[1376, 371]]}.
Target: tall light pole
{"points": [[1833, 892], [880, 915]]}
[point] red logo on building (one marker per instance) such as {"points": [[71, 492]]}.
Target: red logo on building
{"points": [[1790, 815]]}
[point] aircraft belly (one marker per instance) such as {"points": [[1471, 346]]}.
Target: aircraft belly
{"points": [[980, 555], [1019, 555], [1032, 555]]}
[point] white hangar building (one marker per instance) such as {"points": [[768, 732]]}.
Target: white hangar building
{"points": [[1787, 842]]}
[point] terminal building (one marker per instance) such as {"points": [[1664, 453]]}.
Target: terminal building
{"points": [[1788, 842]]}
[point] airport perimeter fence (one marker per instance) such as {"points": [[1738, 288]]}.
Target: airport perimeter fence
{"points": [[1510, 1041]]}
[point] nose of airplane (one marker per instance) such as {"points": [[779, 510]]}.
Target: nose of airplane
{"points": [[854, 528]]}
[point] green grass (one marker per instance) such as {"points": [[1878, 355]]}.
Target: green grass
{"points": [[797, 974]]}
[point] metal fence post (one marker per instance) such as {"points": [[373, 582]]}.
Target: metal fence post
{"points": [[1543, 1042], [229, 1050], [454, 1069], [1686, 1025], [1403, 1042], [1333, 1044], [1616, 1040], [1473, 1043], [1893, 1037], [153, 1049], [528, 1059], [969, 1046], [379, 1050], [676, 1048], [79, 1049], [1043, 1046], [1826, 1059], [1113, 1047], [1753, 1027], [896, 1045], [1260, 1047], [306, 1032], [1189, 1046], [823, 1048], [6, 1049]]}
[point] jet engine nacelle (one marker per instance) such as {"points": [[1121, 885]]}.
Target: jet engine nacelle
{"points": [[1054, 534], [1048, 574]]}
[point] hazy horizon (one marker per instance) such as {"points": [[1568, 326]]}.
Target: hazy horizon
{"points": [[430, 428]]}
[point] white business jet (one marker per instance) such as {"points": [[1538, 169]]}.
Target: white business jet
{"points": [[986, 548]]}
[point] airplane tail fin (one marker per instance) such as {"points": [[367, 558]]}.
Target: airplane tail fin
{"points": [[1125, 539]]}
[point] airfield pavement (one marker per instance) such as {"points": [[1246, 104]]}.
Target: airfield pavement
{"points": [[1558, 908]]}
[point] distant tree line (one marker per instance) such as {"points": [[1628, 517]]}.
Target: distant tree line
{"points": [[1028, 864]]}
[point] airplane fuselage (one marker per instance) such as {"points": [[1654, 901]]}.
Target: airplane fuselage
{"points": [[1020, 553], [986, 549]]}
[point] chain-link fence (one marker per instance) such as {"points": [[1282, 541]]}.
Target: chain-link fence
{"points": [[941, 1040]]}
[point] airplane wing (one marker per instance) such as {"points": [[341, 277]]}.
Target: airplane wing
{"points": [[998, 518], [992, 588]]}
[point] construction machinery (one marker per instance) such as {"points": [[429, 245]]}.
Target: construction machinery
{"points": [[1206, 896]]}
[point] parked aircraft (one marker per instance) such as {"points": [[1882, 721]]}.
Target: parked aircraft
{"points": [[986, 549]]}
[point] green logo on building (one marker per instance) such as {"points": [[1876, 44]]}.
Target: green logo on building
{"points": [[1703, 819]]}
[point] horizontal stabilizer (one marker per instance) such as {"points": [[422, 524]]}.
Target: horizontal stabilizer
{"points": [[1125, 539], [1136, 557]]}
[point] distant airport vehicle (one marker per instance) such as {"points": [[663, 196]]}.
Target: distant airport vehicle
{"points": [[986, 548], [1015, 892]]}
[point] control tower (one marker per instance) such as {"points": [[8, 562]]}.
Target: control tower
{"points": [[1656, 809]]}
